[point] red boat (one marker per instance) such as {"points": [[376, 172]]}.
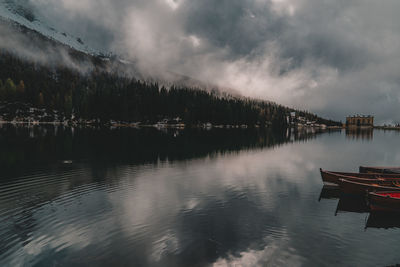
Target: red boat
{"points": [[387, 201], [329, 177], [390, 170], [367, 185]]}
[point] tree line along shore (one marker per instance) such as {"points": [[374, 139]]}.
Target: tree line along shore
{"points": [[35, 93]]}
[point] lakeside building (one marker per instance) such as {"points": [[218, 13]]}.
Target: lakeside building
{"points": [[360, 121]]}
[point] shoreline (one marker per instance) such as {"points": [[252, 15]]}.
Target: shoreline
{"points": [[390, 128], [157, 125]]}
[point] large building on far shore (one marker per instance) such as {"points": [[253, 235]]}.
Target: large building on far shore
{"points": [[360, 121]]}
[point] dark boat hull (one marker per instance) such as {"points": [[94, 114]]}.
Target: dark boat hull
{"points": [[384, 201], [332, 178], [388, 170], [362, 188]]}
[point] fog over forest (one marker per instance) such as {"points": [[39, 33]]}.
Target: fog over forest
{"points": [[333, 58]]}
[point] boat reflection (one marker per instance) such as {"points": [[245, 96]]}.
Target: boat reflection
{"points": [[360, 204], [383, 220], [329, 192], [348, 203]]}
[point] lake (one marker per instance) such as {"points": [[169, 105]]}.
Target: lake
{"points": [[222, 197]]}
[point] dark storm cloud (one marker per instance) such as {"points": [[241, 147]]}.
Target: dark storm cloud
{"points": [[245, 26], [334, 57], [239, 25]]}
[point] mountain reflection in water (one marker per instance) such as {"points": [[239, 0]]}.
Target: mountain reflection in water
{"points": [[189, 198], [31, 145]]}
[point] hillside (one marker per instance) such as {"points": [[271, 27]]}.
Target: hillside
{"points": [[45, 74], [22, 13]]}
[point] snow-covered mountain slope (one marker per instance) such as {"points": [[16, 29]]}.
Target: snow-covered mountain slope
{"points": [[19, 11]]}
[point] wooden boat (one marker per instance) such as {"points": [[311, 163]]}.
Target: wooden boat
{"points": [[329, 177], [386, 201], [367, 185], [389, 170]]}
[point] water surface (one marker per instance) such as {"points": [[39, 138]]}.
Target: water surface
{"points": [[130, 197]]}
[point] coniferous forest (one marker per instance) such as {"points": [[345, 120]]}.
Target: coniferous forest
{"points": [[105, 96]]}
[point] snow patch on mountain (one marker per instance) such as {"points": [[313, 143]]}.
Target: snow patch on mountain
{"points": [[17, 12]]}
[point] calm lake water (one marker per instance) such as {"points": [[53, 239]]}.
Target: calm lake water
{"points": [[85, 197]]}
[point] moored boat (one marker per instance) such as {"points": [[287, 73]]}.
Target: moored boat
{"points": [[330, 177], [367, 185], [385, 201], [376, 169]]}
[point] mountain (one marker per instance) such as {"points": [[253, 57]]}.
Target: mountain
{"points": [[20, 16], [57, 72], [21, 12]]}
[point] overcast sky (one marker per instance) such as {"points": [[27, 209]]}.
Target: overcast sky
{"points": [[335, 57]]}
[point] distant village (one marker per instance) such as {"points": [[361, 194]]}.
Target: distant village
{"points": [[22, 113], [296, 121]]}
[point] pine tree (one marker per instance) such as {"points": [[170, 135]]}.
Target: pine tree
{"points": [[10, 90], [68, 105], [2, 91], [21, 90], [40, 100]]}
